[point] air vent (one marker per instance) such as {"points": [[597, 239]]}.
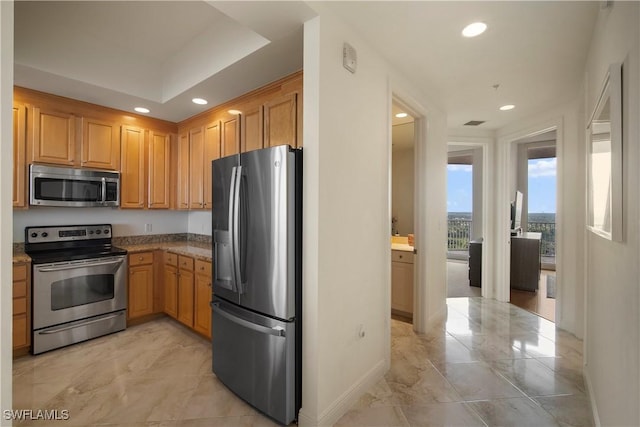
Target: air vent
{"points": [[474, 122]]}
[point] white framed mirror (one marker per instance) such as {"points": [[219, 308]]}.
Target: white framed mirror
{"points": [[604, 159]]}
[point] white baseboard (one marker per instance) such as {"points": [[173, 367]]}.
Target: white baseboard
{"points": [[594, 408], [341, 405]]}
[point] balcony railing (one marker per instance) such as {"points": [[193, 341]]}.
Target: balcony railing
{"points": [[459, 234], [548, 230]]}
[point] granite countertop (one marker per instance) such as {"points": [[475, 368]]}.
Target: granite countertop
{"points": [[197, 250], [196, 246]]}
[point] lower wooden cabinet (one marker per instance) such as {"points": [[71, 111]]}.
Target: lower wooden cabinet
{"points": [[140, 291], [21, 304], [402, 282], [185, 290], [202, 311], [171, 284]]}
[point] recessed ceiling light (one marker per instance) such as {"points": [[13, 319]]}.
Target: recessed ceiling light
{"points": [[199, 101], [507, 107], [401, 115], [141, 110], [234, 112], [474, 29]]}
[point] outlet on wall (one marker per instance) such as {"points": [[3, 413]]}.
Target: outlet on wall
{"points": [[147, 228]]}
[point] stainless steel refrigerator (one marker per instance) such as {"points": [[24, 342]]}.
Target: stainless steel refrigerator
{"points": [[257, 276]]}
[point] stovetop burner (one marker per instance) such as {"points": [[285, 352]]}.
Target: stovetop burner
{"points": [[46, 244]]}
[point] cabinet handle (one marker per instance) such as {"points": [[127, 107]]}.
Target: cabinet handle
{"points": [[209, 284], [140, 258]]}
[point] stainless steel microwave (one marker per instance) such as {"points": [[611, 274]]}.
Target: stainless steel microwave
{"points": [[71, 187]]}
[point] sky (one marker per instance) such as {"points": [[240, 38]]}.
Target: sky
{"points": [[542, 187]]}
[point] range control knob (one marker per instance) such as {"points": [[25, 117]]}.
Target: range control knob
{"points": [[98, 231], [45, 234], [90, 231], [106, 231], [34, 235]]}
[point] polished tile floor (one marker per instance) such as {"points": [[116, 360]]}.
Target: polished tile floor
{"points": [[490, 364]]}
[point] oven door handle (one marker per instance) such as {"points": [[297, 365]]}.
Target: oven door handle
{"points": [[89, 322], [78, 265]]}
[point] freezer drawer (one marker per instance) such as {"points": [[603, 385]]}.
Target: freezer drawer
{"points": [[254, 356]]}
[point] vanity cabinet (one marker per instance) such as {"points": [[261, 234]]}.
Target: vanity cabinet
{"points": [[402, 283], [140, 286], [21, 307]]}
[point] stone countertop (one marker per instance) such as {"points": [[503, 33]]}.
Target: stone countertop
{"points": [[402, 247], [20, 256], [197, 250]]}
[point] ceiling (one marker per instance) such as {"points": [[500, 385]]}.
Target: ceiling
{"points": [[162, 54]]}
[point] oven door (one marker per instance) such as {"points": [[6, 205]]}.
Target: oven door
{"points": [[68, 291]]}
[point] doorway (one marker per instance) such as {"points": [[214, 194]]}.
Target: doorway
{"points": [[402, 213], [536, 179]]}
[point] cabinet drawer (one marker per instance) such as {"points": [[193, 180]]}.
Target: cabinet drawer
{"points": [[203, 267], [171, 259], [20, 331], [140, 258], [185, 262], [402, 256], [19, 306], [19, 272], [19, 289]]}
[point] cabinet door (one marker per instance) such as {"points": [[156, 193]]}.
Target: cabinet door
{"points": [[140, 291], [132, 178], [251, 133], [196, 164], [19, 163], [159, 170], [100, 144], [202, 319], [211, 152], [402, 287], [230, 136], [21, 304], [280, 121], [182, 195], [171, 290], [54, 137], [185, 297]]}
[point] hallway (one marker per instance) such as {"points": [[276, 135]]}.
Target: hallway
{"points": [[490, 364]]}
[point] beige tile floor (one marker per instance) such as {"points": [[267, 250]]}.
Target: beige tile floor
{"points": [[490, 364]]}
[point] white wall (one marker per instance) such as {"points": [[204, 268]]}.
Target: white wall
{"points": [[347, 218], [200, 222], [402, 189], [613, 290], [126, 222], [6, 208]]}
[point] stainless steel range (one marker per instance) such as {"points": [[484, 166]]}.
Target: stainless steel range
{"points": [[78, 284]]}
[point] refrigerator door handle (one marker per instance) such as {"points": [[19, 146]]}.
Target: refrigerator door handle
{"points": [[277, 331], [232, 216], [235, 228]]}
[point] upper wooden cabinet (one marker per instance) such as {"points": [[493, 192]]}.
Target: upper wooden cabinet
{"points": [[211, 152], [100, 144], [56, 140], [230, 136], [182, 175], [280, 121], [19, 163], [196, 165], [132, 178], [159, 170], [54, 137], [251, 131]]}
